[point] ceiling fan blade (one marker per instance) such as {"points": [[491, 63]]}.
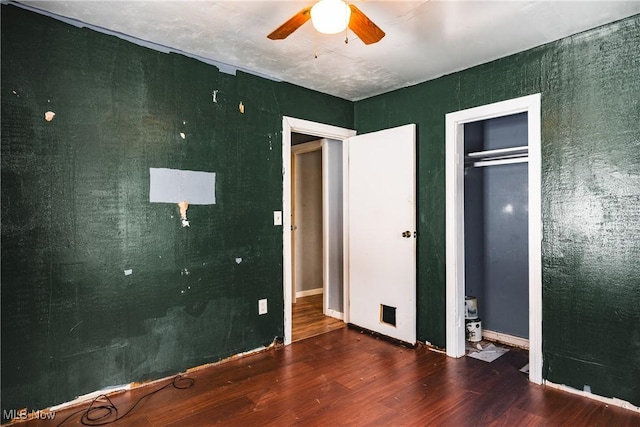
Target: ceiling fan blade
{"points": [[284, 30], [364, 27]]}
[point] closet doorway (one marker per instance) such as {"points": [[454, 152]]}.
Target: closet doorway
{"points": [[496, 215], [494, 224]]}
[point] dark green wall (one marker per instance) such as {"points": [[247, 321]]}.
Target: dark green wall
{"points": [[590, 86], [76, 211]]}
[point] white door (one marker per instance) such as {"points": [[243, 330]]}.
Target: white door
{"points": [[381, 232]]}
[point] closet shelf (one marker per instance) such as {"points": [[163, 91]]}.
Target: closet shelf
{"points": [[500, 156], [500, 152]]}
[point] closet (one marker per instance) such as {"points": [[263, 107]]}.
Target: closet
{"points": [[496, 223]]}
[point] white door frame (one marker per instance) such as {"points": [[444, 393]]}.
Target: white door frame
{"points": [[290, 124], [455, 286]]}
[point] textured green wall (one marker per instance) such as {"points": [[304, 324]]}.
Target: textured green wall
{"points": [[590, 85], [76, 211]]}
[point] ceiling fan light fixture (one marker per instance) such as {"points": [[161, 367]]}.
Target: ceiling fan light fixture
{"points": [[330, 16]]}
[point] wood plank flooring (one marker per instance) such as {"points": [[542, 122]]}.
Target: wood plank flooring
{"points": [[347, 378], [308, 319]]}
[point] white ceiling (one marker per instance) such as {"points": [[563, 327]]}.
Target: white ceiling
{"points": [[424, 39]]}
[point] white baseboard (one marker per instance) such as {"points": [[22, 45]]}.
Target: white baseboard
{"points": [[334, 314], [608, 400], [506, 339], [85, 398], [308, 292]]}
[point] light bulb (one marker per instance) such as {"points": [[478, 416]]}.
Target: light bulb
{"points": [[330, 16]]}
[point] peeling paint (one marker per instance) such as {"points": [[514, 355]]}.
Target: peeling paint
{"points": [[128, 272], [183, 213], [182, 135], [238, 260], [49, 115], [67, 170], [241, 107]]}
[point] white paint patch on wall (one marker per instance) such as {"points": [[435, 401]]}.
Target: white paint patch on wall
{"points": [[175, 186]]}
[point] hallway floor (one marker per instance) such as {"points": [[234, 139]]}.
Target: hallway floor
{"points": [[308, 319]]}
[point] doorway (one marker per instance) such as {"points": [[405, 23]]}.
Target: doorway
{"points": [[378, 294], [496, 226], [316, 181], [455, 226], [306, 217], [331, 140]]}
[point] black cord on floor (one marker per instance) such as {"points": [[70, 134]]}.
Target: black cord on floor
{"points": [[103, 411]]}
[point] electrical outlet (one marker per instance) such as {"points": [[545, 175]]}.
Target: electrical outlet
{"points": [[277, 217], [262, 306]]}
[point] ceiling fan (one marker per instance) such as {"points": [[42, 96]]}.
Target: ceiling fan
{"points": [[331, 17]]}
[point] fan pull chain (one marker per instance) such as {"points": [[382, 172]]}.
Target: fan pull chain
{"points": [[315, 44], [346, 30]]}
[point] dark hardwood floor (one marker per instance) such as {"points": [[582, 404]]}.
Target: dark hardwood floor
{"points": [[308, 320], [347, 378]]}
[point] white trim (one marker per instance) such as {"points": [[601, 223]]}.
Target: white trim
{"points": [[108, 391], [309, 292], [287, 278], [346, 301], [608, 400], [511, 340], [535, 239], [334, 314], [454, 158], [326, 225], [290, 124]]}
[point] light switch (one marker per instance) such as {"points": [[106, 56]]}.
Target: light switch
{"points": [[262, 306], [277, 217]]}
